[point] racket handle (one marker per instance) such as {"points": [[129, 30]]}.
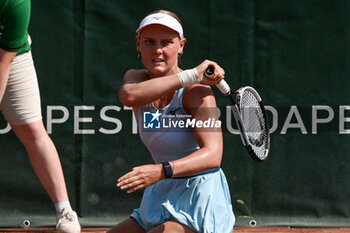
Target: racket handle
{"points": [[209, 72], [223, 87]]}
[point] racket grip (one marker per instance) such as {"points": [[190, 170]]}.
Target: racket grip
{"points": [[209, 72], [222, 86]]}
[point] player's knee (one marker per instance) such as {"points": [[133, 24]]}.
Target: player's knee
{"points": [[176, 227]]}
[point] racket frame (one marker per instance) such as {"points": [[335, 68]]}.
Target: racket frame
{"points": [[235, 108]]}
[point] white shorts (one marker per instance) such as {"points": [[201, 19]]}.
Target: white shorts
{"points": [[20, 104]]}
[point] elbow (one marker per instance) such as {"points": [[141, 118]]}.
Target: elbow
{"points": [[127, 98], [216, 157], [217, 163]]}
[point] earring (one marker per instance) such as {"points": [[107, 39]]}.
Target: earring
{"points": [[138, 55]]}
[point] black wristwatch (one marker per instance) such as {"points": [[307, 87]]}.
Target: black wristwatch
{"points": [[167, 170]]}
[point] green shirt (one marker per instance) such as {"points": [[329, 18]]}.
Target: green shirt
{"points": [[14, 22]]}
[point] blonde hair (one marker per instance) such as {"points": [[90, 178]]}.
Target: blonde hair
{"points": [[172, 14]]}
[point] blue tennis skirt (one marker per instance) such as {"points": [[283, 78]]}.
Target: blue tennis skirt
{"points": [[201, 202]]}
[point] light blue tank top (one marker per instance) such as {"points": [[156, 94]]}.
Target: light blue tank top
{"points": [[170, 143]]}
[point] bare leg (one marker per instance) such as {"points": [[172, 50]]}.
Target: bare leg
{"points": [[130, 225], [172, 227], [44, 158]]}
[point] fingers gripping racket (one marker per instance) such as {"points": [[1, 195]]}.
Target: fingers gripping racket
{"points": [[250, 116]]}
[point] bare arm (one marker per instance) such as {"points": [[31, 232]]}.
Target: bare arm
{"points": [[138, 89], [199, 101], [6, 59]]}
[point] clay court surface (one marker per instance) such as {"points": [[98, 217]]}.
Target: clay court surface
{"points": [[238, 230]]}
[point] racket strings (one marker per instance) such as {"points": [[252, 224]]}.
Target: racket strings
{"points": [[254, 123]]}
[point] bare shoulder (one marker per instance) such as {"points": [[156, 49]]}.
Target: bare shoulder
{"points": [[135, 76], [198, 95]]}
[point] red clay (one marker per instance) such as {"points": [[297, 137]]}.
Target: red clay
{"points": [[237, 230]]}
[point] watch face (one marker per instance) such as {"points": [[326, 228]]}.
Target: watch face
{"points": [[167, 169]]}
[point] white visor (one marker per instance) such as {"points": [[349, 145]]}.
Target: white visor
{"points": [[162, 19]]}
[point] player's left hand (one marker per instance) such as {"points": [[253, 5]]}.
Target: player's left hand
{"points": [[141, 177]]}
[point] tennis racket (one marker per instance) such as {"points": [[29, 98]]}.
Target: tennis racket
{"points": [[250, 116]]}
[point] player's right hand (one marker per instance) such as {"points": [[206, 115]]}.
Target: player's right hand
{"points": [[218, 75]]}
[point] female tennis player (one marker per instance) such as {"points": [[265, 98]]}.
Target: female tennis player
{"points": [[185, 190]]}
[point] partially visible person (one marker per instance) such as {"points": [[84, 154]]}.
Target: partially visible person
{"points": [[185, 189], [20, 105]]}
